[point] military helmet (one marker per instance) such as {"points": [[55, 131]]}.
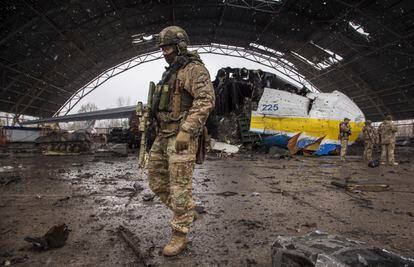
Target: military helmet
{"points": [[173, 35], [388, 117]]}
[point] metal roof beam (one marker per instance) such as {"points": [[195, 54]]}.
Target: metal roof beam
{"points": [[36, 97], [27, 74], [52, 24], [37, 87], [18, 30], [365, 88], [49, 111]]}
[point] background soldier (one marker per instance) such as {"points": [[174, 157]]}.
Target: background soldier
{"points": [[344, 133], [181, 104], [370, 136], [387, 131]]}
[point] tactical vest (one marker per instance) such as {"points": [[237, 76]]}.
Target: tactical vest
{"points": [[344, 134], [173, 97], [171, 101]]}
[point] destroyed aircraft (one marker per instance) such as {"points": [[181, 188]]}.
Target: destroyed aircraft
{"points": [[285, 115]]}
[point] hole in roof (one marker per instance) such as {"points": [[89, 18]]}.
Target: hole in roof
{"points": [[359, 29], [266, 49], [141, 37], [148, 37], [325, 63]]}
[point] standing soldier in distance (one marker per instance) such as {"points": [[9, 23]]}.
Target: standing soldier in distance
{"points": [[370, 136], [387, 131], [344, 133], [181, 104]]}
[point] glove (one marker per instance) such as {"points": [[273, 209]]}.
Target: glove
{"points": [[182, 141]]}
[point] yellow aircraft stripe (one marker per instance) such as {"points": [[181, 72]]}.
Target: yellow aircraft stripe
{"points": [[309, 126]]}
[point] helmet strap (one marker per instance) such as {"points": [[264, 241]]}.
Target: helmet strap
{"points": [[181, 48]]}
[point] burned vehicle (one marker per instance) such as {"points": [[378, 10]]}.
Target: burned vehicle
{"points": [[62, 141], [130, 135]]}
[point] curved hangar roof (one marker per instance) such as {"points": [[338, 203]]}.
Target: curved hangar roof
{"points": [[50, 49]]}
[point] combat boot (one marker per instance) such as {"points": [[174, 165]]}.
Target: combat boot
{"points": [[176, 245]]}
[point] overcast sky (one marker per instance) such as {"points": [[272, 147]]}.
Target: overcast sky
{"points": [[134, 82]]}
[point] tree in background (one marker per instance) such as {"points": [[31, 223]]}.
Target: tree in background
{"points": [[121, 101], [88, 107]]}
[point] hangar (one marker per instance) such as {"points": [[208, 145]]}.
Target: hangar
{"points": [[54, 53]]}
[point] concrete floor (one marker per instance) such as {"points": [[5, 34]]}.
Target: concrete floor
{"points": [[249, 200]]}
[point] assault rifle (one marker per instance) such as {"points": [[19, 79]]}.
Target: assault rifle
{"points": [[146, 123]]}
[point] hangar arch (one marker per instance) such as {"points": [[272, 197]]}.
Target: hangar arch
{"points": [[283, 69]]}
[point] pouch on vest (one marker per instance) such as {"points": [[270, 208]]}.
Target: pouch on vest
{"points": [[202, 146], [151, 90], [164, 98], [156, 98]]}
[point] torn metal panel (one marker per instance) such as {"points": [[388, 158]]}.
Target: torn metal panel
{"points": [[352, 187], [319, 249]]}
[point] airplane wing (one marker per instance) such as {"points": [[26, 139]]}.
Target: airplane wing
{"points": [[113, 113]]}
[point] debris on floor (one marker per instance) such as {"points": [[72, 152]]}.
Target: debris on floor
{"points": [[8, 179], [148, 197], [77, 164], [58, 153], [373, 163], [6, 168], [54, 238], [247, 198], [120, 150], [352, 187], [224, 147], [227, 194], [321, 249], [133, 243], [200, 209]]}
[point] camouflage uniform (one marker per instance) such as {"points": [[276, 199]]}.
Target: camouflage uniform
{"points": [[370, 136], [344, 133], [170, 173], [387, 131]]}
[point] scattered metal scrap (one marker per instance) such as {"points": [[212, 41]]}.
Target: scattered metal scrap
{"points": [[224, 147], [134, 243], [352, 187], [148, 197], [54, 238], [323, 250], [13, 178], [227, 194]]}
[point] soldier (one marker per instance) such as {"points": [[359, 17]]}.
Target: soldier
{"points": [[370, 136], [387, 131], [184, 103], [344, 133]]}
